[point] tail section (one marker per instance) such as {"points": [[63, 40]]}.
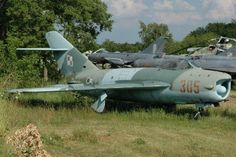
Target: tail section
{"points": [[57, 41], [156, 47], [70, 61]]}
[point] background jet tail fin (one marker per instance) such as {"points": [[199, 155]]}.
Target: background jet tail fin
{"points": [[70, 62], [156, 47]]}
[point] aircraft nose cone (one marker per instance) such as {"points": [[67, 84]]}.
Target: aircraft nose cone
{"points": [[221, 90]]}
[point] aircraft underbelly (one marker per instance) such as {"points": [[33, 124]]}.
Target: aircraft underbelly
{"points": [[153, 96], [160, 96], [131, 95]]}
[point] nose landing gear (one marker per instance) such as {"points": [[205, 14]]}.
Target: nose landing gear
{"points": [[200, 109], [198, 114]]}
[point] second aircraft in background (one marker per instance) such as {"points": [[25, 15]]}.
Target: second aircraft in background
{"points": [[126, 59]]}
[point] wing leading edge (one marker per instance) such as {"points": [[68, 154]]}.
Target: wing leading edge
{"points": [[119, 85]]}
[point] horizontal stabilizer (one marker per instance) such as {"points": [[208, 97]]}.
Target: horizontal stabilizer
{"points": [[42, 49]]}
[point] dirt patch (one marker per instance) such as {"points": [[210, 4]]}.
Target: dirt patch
{"points": [[27, 142]]}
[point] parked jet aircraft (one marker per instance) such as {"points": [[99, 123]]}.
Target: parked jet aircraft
{"points": [[125, 58], [223, 62], [218, 57], [148, 85]]}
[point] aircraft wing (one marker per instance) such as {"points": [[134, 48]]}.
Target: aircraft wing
{"points": [[116, 61], [222, 69], [53, 88], [119, 85], [99, 90], [193, 49]]}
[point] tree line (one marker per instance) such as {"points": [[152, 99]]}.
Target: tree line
{"points": [[23, 23]]}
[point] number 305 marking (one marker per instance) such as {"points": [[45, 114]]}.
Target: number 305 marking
{"points": [[189, 86]]}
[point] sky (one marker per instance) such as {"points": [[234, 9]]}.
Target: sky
{"points": [[181, 16]]}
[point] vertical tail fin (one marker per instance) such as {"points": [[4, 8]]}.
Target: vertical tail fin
{"points": [[70, 62], [156, 47], [57, 41]]}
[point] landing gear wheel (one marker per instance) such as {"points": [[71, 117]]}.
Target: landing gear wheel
{"points": [[198, 114]]}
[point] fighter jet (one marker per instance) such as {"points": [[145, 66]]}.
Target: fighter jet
{"points": [[118, 59], [147, 85], [219, 57], [224, 62]]}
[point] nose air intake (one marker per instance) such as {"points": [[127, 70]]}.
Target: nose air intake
{"points": [[223, 88]]}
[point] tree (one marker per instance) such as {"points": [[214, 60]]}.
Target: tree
{"points": [[81, 21], [149, 33], [25, 22], [221, 29], [3, 19], [180, 47], [122, 47]]}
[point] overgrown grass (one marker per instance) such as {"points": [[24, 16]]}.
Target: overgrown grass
{"points": [[69, 129]]}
